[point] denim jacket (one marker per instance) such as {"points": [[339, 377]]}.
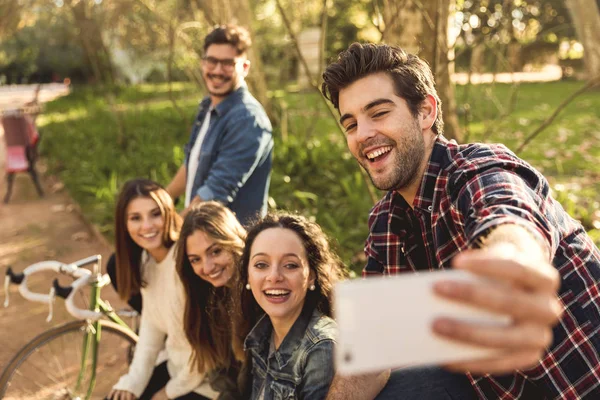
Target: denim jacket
{"points": [[302, 367], [234, 166]]}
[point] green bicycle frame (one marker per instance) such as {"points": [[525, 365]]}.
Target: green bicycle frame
{"points": [[93, 333]]}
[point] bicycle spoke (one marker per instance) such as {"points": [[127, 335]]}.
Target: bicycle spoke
{"points": [[60, 366], [51, 368], [43, 371]]}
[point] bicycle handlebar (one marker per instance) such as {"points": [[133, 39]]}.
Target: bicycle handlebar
{"points": [[82, 276], [61, 291]]}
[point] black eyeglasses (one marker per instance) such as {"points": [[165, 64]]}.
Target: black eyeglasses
{"points": [[211, 62]]}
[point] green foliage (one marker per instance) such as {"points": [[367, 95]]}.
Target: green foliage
{"points": [[81, 139], [314, 173], [566, 152], [41, 51]]}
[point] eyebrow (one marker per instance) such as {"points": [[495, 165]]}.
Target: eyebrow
{"points": [[210, 247], [285, 255], [138, 213], [205, 251], [372, 104]]}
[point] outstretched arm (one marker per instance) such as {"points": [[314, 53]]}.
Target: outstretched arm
{"points": [[504, 216], [524, 287]]}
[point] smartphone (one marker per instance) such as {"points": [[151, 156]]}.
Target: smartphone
{"points": [[386, 322]]}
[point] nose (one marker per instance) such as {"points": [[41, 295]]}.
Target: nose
{"points": [[208, 267], [364, 131], [218, 69], [146, 223], [274, 274]]}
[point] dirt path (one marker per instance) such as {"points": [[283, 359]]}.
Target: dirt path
{"points": [[34, 229]]}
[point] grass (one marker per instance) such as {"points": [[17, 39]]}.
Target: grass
{"points": [[95, 140]]}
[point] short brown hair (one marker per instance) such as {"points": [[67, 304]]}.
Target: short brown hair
{"points": [[412, 77], [234, 35]]}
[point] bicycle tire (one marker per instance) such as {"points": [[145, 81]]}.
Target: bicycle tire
{"points": [[21, 380]]}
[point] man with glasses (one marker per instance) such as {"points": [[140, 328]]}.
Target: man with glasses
{"points": [[228, 156]]}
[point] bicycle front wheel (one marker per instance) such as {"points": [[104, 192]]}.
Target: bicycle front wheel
{"points": [[48, 367]]}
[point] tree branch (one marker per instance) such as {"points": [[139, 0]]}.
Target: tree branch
{"points": [[593, 82], [170, 68], [314, 85]]}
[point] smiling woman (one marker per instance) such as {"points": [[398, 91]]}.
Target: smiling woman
{"points": [[209, 246], [282, 318]]}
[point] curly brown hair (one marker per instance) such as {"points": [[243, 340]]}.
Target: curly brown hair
{"points": [[235, 35], [322, 260]]}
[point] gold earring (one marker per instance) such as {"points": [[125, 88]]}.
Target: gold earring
{"points": [[248, 286]]}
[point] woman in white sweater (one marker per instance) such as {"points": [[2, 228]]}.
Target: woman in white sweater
{"points": [[147, 227]]}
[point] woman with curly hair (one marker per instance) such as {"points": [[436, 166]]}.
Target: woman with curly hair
{"points": [[283, 323]]}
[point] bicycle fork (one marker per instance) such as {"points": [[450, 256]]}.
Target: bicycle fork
{"points": [[92, 336], [91, 339]]}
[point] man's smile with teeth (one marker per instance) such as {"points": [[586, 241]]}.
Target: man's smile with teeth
{"points": [[376, 153]]}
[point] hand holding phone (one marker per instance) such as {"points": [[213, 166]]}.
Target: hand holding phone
{"points": [[386, 322]]}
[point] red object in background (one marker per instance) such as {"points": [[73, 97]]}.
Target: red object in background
{"points": [[16, 159], [21, 138]]}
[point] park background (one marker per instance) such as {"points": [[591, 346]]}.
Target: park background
{"points": [[522, 73]]}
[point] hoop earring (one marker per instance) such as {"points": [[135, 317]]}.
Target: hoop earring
{"points": [[312, 287], [247, 286]]}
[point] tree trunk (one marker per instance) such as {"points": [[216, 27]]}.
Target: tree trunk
{"points": [[90, 34], [422, 28], [586, 19], [10, 16]]}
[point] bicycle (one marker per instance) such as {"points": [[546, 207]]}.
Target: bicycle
{"points": [[64, 362]]}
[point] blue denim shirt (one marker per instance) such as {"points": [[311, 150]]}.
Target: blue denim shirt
{"points": [[302, 367], [234, 167]]}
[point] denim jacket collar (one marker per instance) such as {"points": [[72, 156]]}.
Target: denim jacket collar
{"points": [[258, 339]]}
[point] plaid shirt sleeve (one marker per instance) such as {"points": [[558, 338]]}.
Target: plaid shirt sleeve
{"points": [[570, 369], [496, 196]]}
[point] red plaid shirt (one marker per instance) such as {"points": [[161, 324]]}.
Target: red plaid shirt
{"points": [[466, 191]]}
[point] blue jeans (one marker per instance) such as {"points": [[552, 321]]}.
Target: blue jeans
{"points": [[427, 383]]}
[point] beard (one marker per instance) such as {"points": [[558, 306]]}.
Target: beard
{"points": [[407, 156]]}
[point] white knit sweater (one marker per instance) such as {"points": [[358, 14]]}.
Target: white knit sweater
{"points": [[162, 316]]}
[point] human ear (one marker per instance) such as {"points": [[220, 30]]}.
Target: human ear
{"points": [[246, 67], [428, 112], [312, 277]]}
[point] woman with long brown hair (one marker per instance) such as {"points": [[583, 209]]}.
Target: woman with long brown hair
{"points": [[209, 247], [147, 227]]}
